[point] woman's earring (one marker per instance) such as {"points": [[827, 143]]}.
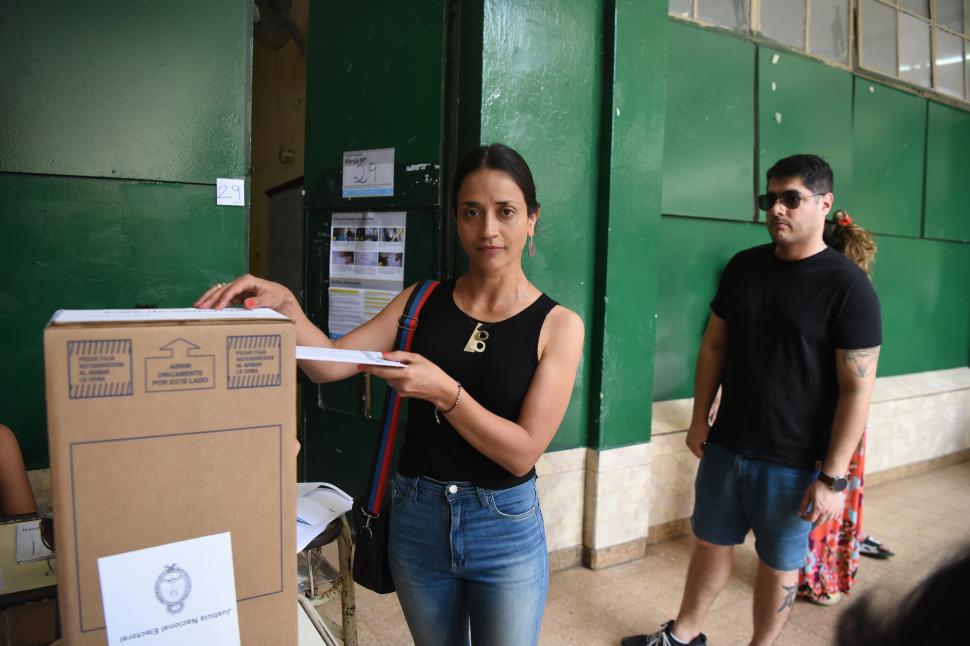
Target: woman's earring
{"points": [[532, 246]]}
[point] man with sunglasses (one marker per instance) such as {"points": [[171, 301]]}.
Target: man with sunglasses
{"points": [[793, 340]]}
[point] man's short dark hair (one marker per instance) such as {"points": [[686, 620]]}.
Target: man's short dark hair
{"points": [[814, 172]]}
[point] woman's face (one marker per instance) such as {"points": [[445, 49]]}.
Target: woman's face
{"points": [[493, 222]]}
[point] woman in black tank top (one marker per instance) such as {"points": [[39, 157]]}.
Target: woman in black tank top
{"points": [[490, 375]]}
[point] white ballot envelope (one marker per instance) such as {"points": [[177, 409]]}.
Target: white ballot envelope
{"points": [[170, 595], [364, 357]]}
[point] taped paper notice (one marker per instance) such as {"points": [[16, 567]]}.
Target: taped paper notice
{"points": [[368, 173], [230, 192], [366, 266]]}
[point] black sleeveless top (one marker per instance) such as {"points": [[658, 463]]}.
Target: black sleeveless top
{"points": [[497, 378]]}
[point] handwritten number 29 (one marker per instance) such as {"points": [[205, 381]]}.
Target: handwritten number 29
{"points": [[366, 173], [229, 192]]}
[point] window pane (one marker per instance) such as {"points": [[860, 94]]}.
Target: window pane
{"points": [[828, 31], [784, 21], [949, 63], [726, 13], [921, 7], [914, 50], [681, 8], [879, 37], [949, 13]]}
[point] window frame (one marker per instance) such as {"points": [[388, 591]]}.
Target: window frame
{"points": [[856, 46]]}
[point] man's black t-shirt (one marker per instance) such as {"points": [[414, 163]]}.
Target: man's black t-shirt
{"points": [[784, 321]]}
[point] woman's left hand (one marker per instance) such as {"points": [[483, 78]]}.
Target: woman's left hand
{"points": [[419, 378]]}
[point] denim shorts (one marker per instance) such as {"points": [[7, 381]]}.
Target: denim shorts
{"points": [[735, 494], [468, 561]]}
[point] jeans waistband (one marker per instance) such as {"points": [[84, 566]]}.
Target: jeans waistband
{"points": [[455, 489]]}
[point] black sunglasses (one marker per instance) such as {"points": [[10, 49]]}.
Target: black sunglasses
{"points": [[790, 199]]}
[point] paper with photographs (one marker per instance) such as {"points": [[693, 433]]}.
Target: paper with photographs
{"points": [[366, 266]]}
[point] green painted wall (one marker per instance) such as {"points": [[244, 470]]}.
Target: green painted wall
{"points": [[888, 169], [947, 171], [804, 106], [888, 149], [923, 289], [142, 90], [540, 93], [155, 93], [693, 253], [634, 116], [709, 137], [374, 81]]}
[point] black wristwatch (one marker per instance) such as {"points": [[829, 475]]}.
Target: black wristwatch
{"points": [[835, 484]]}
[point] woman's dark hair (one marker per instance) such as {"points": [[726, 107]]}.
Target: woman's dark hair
{"points": [[496, 157], [845, 236]]}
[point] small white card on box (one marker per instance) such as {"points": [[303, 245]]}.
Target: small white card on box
{"points": [[168, 595]]}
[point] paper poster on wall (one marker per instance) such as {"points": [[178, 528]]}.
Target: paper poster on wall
{"points": [[366, 266], [368, 173]]}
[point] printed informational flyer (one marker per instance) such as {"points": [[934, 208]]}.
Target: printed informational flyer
{"points": [[366, 266]]}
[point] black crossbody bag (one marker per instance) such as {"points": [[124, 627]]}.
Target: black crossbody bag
{"points": [[372, 514]]}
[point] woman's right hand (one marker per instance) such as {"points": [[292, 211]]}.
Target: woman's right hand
{"points": [[251, 292]]}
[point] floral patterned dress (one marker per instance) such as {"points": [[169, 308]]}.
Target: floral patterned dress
{"points": [[833, 548]]}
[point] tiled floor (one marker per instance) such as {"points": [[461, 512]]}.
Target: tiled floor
{"points": [[922, 517]]}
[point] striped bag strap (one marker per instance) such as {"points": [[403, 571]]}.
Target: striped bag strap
{"points": [[390, 416]]}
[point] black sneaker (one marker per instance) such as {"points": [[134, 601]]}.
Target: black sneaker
{"points": [[661, 638]]}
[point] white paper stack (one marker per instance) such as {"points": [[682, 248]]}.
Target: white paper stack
{"points": [[29, 546], [317, 504]]}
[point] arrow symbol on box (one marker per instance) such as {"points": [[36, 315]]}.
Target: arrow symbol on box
{"points": [[179, 347]]}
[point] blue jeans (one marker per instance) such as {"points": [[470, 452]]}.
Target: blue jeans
{"points": [[466, 559], [735, 493]]}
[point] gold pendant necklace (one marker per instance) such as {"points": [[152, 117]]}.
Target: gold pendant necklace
{"points": [[476, 342]]}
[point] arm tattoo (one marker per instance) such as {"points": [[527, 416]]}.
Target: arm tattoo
{"points": [[789, 601], [858, 362]]}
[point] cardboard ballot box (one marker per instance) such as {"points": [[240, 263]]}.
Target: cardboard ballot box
{"points": [[166, 425]]}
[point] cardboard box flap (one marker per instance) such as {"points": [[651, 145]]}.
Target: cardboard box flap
{"points": [[66, 317]]}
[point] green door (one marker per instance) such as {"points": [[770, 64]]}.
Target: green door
{"points": [[385, 88]]}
